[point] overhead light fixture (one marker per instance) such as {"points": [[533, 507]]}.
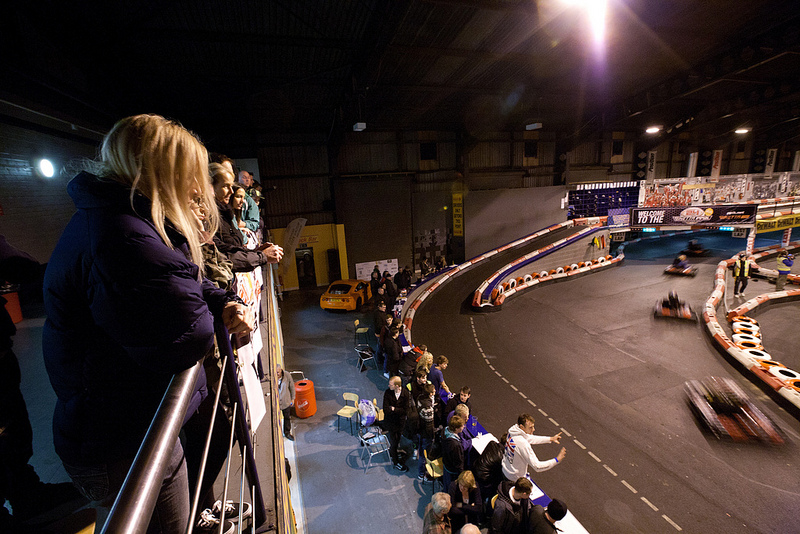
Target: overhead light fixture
{"points": [[45, 168], [359, 126], [741, 130], [653, 129], [533, 126]]}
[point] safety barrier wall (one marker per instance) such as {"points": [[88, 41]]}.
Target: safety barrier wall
{"points": [[747, 347], [524, 272], [418, 296]]}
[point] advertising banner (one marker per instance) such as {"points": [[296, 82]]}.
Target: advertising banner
{"points": [[458, 214], [778, 223], [693, 216], [619, 217], [716, 164]]}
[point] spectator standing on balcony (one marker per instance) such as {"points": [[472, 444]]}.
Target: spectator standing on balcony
{"points": [[436, 377], [519, 453], [395, 406], [250, 213], [785, 262], [127, 308]]}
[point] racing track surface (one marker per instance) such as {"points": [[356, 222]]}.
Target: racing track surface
{"points": [[589, 354]]}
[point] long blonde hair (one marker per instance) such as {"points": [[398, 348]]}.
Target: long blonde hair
{"points": [[169, 165]]}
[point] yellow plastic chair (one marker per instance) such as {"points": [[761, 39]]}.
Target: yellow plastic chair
{"points": [[435, 469], [347, 410]]}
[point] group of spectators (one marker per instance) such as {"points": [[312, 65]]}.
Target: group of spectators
{"points": [[424, 420], [131, 292]]}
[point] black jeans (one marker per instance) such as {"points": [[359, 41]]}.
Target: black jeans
{"points": [[740, 280]]}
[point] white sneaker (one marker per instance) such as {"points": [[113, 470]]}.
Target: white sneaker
{"points": [[385, 375]]}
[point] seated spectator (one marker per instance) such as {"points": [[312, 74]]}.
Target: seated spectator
{"points": [[466, 436], [228, 238], [462, 398], [488, 467], [436, 520], [542, 521], [465, 500], [436, 377], [512, 506], [452, 450]]}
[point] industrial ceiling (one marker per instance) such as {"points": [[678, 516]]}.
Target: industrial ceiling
{"points": [[244, 73]]}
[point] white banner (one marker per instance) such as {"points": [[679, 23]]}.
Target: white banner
{"points": [[716, 164], [691, 170], [769, 167]]}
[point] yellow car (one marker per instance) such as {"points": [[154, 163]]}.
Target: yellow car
{"points": [[345, 295]]}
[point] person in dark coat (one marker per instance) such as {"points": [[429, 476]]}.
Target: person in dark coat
{"points": [[542, 520], [488, 467], [395, 405], [512, 508], [394, 352], [462, 398], [127, 308], [452, 450], [228, 238], [465, 499]]}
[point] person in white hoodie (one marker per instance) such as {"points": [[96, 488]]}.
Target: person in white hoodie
{"points": [[519, 455]]}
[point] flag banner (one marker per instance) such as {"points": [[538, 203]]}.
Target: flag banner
{"points": [[693, 216]]}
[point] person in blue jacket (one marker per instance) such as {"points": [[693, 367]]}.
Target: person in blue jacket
{"points": [[127, 307], [785, 262]]}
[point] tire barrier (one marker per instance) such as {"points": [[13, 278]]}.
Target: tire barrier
{"points": [[748, 331], [559, 270], [745, 344], [511, 284], [551, 272], [575, 266], [520, 280], [543, 274], [529, 278], [601, 259], [758, 354]]}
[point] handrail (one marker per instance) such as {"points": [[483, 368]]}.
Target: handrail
{"points": [[134, 504]]}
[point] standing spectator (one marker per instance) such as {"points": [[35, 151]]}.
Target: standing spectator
{"points": [[250, 214], [286, 394], [440, 263], [436, 520], [395, 404], [436, 377], [426, 410], [237, 205], [542, 521], [408, 365], [127, 308], [374, 281], [424, 267], [382, 340], [379, 316], [488, 467], [519, 453], [785, 262], [465, 500], [402, 280], [394, 352], [741, 272], [452, 450], [425, 361], [30, 498], [512, 506]]}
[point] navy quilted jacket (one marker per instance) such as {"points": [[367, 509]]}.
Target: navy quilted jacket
{"points": [[124, 313]]}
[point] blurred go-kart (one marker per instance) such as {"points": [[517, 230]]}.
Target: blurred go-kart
{"points": [[674, 269], [672, 306], [725, 409], [694, 248]]}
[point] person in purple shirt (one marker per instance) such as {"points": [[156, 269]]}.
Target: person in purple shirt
{"points": [[436, 377]]}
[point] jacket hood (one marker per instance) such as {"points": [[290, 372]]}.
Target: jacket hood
{"points": [[517, 433], [448, 434], [503, 491], [89, 191]]}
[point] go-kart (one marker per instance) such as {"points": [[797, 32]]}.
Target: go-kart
{"points": [[725, 409], [695, 249], [675, 308], [674, 269]]}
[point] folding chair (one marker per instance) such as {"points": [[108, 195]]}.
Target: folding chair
{"points": [[374, 443], [360, 335], [435, 469], [347, 410], [365, 354]]}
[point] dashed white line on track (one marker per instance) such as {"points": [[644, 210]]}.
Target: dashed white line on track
{"points": [[593, 455], [542, 412], [504, 379], [579, 444], [521, 394], [532, 403], [553, 421], [651, 505], [629, 487], [610, 470], [671, 522], [565, 432], [514, 387], [492, 367]]}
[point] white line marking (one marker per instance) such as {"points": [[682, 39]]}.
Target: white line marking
{"points": [[593, 455], [565, 432], [651, 505], [609, 470], [671, 522], [629, 487], [514, 387], [521, 394], [532, 403], [542, 412], [504, 379], [491, 367], [498, 374], [553, 421], [579, 444]]}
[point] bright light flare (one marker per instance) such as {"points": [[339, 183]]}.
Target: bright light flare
{"points": [[596, 13], [46, 168], [653, 129], [741, 130]]}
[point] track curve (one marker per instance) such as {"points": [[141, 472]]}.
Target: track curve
{"points": [[587, 357]]}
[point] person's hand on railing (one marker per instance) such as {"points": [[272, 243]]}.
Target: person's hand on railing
{"points": [[273, 252], [238, 319]]}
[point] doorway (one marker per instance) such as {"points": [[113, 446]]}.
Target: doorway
{"points": [[306, 275]]}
